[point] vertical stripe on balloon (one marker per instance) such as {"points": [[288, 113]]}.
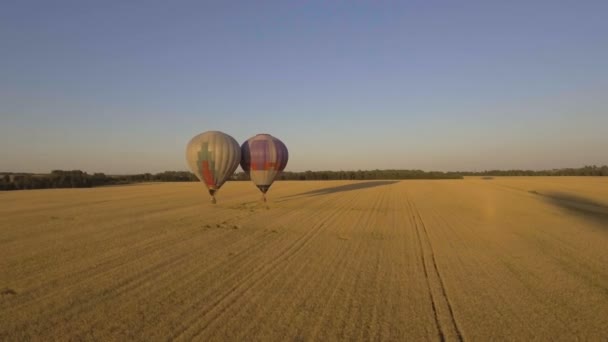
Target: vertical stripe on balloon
{"points": [[207, 174]]}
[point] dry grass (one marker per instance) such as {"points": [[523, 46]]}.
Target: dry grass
{"points": [[510, 258]]}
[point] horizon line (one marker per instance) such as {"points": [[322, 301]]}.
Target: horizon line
{"points": [[377, 169]]}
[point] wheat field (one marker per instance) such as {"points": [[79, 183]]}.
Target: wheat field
{"points": [[475, 259]]}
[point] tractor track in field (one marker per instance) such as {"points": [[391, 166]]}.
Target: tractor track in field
{"points": [[437, 299]]}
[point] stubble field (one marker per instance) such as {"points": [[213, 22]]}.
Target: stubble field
{"points": [[474, 259]]}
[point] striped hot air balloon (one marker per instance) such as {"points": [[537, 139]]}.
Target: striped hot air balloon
{"points": [[263, 157], [213, 157]]}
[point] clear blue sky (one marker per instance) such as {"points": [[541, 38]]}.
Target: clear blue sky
{"points": [[120, 87]]}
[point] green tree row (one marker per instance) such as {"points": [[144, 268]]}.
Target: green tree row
{"points": [[591, 170], [80, 179], [360, 175]]}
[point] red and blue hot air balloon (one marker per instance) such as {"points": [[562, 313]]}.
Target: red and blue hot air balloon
{"points": [[263, 157]]}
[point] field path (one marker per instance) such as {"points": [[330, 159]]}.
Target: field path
{"points": [[452, 260], [442, 307]]}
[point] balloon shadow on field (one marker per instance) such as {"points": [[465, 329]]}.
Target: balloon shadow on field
{"points": [[578, 205], [341, 188]]}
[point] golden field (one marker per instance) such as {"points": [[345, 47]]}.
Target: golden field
{"points": [[506, 258]]}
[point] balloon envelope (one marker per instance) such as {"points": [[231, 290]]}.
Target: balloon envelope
{"points": [[263, 157], [213, 157]]}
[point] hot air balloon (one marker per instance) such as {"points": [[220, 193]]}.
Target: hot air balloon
{"points": [[213, 157], [263, 157]]}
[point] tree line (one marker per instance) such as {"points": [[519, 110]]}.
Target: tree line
{"points": [[80, 179], [589, 170], [360, 175]]}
